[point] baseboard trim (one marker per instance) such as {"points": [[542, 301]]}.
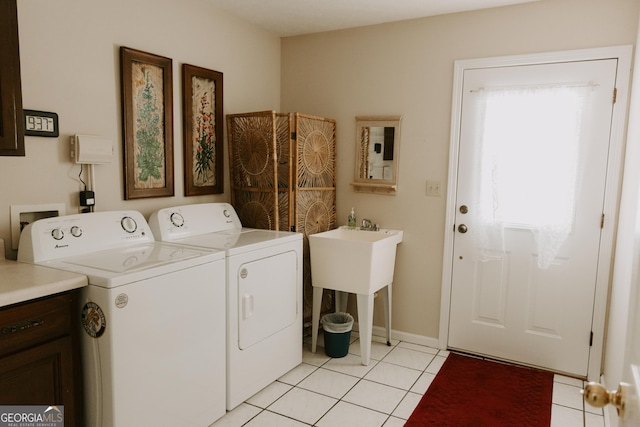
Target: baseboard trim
{"points": [[379, 331]]}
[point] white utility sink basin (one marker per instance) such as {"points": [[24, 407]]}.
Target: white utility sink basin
{"points": [[353, 260]]}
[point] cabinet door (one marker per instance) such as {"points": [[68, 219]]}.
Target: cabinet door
{"points": [[42, 375], [40, 354], [11, 119]]}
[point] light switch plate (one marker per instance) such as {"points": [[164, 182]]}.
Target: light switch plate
{"points": [[433, 188]]}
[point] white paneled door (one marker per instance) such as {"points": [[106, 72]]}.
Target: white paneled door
{"points": [[631, 374], [531, 181]]}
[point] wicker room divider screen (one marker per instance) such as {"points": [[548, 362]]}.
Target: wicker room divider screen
{"points": [[283, 177]]}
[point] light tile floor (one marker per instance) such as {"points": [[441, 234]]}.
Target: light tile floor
{"points": [[341, 392]]}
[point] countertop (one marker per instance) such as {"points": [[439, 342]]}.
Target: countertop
{"points": [[21, 282]]}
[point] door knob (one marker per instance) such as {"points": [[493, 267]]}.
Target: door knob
{"points": [[595, 394], [462, 228]]}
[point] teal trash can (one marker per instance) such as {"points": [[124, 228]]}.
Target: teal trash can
{"points": [[337, 333]]}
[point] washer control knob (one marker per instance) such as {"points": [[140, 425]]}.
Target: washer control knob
{"points": [[177, 219], [76, 231], [226, 213], [129, 224], [57, 233]]}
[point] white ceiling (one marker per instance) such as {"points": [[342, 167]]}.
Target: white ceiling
{"points": [[295, 17]]}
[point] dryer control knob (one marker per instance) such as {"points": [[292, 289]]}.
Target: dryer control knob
{"points": [[177, 219], [226, 213], [57, 233], [129, 224], [76, 231]]}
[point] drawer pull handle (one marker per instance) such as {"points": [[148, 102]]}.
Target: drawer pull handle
{"points": [[21, 326]]}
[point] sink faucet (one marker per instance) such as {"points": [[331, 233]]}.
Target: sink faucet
{"points": [[369, 226]]}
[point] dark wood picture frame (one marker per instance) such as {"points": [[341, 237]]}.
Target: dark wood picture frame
{"points": [[147, 124], [202, 96]]}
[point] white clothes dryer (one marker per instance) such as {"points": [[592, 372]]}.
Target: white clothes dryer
{"points": [[264, 291], [152, 318]]}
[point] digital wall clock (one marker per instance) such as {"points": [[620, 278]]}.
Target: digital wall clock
{"points": [[40, 123]]}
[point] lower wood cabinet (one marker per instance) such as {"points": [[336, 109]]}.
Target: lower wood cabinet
{"points": [[40, 355]]}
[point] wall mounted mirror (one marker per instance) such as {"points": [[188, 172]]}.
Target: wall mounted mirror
{"points": [[377, 153]]}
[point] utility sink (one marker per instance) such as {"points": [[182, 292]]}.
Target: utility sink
{"points": [[353, 260]]}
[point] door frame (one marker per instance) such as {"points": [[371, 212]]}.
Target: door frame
{"points": [[614, 180]]}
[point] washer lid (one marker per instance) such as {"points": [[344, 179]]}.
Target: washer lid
{"points": [[115, 267], [134, 258]]}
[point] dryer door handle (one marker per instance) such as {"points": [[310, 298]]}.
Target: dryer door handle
{"points": [[247, 306]]}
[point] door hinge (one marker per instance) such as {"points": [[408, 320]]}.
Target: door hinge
{"points": [[602, 221], [615, 94], [591, 339], [293, 136]]}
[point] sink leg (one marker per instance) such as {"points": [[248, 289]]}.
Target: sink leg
{"points": [[365, 323], [386, 302], [342, 298], [315, 316]]}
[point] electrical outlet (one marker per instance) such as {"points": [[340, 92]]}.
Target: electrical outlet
{"points": [[433, 188]]}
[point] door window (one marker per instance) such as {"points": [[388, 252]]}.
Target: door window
{"points": [[529, 150]]}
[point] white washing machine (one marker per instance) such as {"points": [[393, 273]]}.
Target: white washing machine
{"points": [[152, 318], [264, 291]]}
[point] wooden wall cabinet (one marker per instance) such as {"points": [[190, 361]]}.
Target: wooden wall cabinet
{"points": [[40, 354], [11, 119]]}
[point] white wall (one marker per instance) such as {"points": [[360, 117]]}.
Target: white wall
{"points": [[69, 59], [69, 51], [407, 69]]}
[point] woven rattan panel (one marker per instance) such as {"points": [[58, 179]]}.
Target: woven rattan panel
{"points": [[254, 208], [282, 169]]}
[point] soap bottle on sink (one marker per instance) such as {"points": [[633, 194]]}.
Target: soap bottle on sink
{"points": [[351, 220]]}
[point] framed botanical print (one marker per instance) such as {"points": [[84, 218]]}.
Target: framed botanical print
{"points": [[147, 122], [202, 128]]}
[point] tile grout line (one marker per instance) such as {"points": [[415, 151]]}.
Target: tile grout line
{"points": [[386, 357]]}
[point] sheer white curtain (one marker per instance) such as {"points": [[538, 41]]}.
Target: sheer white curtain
{"points": [[529, 149]]}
